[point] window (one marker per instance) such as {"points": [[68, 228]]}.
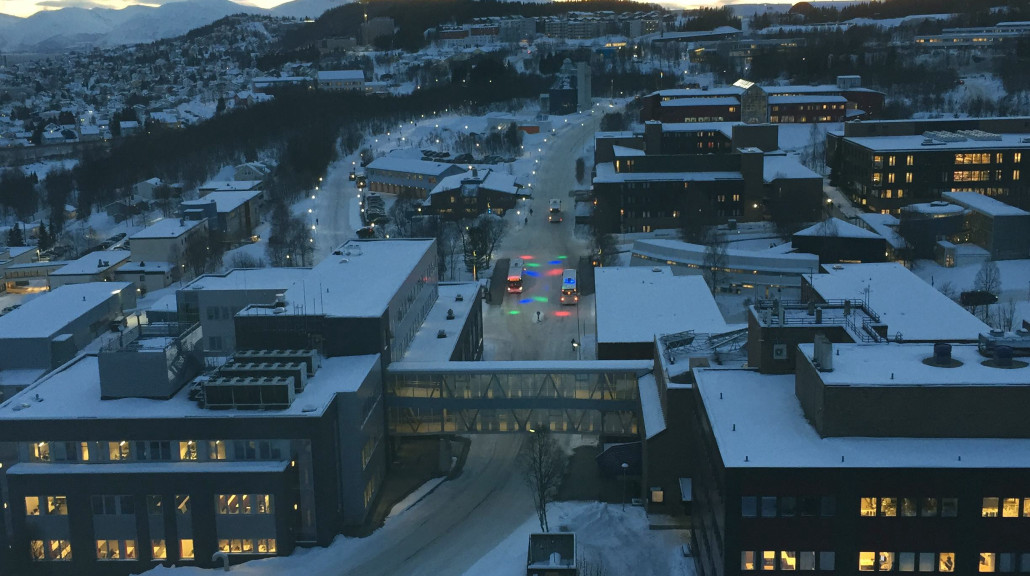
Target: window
{"points": [[768, 506], [216, 450], [866, 561], [888, 507], [59, 550], [38, 550], [244, 504], [188, 450], [878, 177], [949, 507], [41, 452], [788, 506], [747, 560], [186, 549], [1026, 507], [117, 451], [749, 506], [908, 507], [946, 562], [107, 505], [154, 505], [987, 561], [907, 562], [768, 560], [158, 551], [890, 160], [215, 343], [908, 177], [990, 508], [788, 560], [57, 505], [926, 561], [868, 507], [929, 506], [885, 561], [1006, 562], [890, 178], [32, 505], [1010, 508], [1024, 562], [999, 158], [809, 506], [1015, 174], [877, 162], [910, 160], [266, 546], [182, 503], [807, 560], [827, 560], [829, 506]]}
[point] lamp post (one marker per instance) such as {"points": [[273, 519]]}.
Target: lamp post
{"points": [[625, 467]]}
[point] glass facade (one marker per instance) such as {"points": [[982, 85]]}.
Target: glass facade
{"points": [[560, 399]]}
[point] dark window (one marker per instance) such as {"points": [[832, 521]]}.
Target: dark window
{"points": [[749, 506], [829, 506], [788, 506], [809, 505], [768, 506]]}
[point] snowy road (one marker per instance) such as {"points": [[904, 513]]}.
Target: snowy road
{"points": [[512, 331]]}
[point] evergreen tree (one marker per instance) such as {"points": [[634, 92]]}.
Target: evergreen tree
{"points": [[44, 237], [15, 237]]}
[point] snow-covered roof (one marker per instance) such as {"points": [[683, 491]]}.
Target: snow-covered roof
{"points": [[623, 151], [360, 282], [793, 89], [651, 406], [908, 305], [409, 165], [635, 304], [229, 185], [807, 100], [144, 267], [905, 143], [250, 279], [757, 422], [838, 228], [225, 202], [718, 101], [936, 208], [427, 345], [74, 392], [93, 263], [167, 228], [488, 180], [48, 314], [698, 92], [885, 225], [902, 365], [347, 75], [606, 174], [760, 262], [983, 204], [776, 166]]}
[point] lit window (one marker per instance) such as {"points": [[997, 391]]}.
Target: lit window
{"points": [[890, 160], [60, 550], [188, 450], [57, 505], [186, 549], [946, 562], [216, 450], [908, 177], [1015, 174], [32, 506], [158, 550], [888, 507], [1026, 508], [866, 561], [990, 508], [890, 178], [1017, 157], [788, 560], [1010, 507], [41, 452], [868, 507], [987, 561], [38, 550], [182, 503], [267, 546], [747, 560], [877, 177], [768, 560], [908, 507], [885, 561], [909, 160], [108, 550]]}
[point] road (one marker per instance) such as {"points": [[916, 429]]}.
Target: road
{"points": [[464, 519], [511, 328]]}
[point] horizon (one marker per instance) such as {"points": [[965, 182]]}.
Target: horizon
{"points": [[26, 8]]}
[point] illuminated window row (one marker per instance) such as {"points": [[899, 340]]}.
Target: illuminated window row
{"points": [[159, 450], [906, 561], [116, 549], [247, 545], [767, 560], [1005, 508], [46, 506], [53, 550], [909, 507], [1005, 562], [244, 504]]}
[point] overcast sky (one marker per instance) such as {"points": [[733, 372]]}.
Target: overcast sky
{"points": [[28, 7]]}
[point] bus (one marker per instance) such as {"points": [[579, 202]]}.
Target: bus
{"points": [[554, 211], [569, 289], [515, 276]]}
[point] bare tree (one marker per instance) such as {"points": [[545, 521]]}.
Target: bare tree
{"points": [[714, 263], [948, 289], [1004, 317], [988, 279], [543, 463]]}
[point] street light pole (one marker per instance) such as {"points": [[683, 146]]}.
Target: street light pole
{"points": [[625, 467]]}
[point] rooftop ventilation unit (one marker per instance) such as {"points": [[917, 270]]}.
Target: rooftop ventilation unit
{"points": [[249, 393], [296, 370], [308, 357], [980, 135]]}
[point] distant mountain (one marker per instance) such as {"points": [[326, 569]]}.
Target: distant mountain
{"points": [[71, 28]]}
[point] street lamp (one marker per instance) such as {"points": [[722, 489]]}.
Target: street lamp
{"points": [[625, 467]]}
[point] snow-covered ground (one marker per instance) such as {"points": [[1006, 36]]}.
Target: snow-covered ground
{"points": [[1015, 281]]}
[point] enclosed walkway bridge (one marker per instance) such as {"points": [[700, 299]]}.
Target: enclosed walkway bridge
{"points": [[586, 397]]}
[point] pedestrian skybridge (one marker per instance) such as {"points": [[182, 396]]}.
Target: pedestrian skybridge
{"points": [[589, 397]]}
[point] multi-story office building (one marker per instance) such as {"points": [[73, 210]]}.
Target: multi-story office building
{"points": [[884, 166], [121, 459]]}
